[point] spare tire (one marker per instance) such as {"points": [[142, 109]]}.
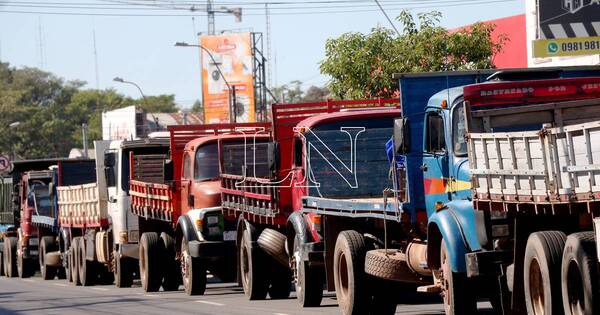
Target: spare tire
{"points": [[273, 243], [390, 265]]}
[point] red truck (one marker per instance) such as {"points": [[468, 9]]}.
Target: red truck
{"points": [[271, 226], [183, 231]]}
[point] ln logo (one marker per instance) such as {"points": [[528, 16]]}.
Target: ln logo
{"points": [[574, 6], [553, 48]]}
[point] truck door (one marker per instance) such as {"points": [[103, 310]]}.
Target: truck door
{"points": [[187, 200], [300, 179], [435, 162]]}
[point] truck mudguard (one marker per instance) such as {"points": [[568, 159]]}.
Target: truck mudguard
{"points": [[297, 226], [184, 225], [455, 224]]}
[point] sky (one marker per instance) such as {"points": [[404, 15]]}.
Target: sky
{"points": [[141, 48]]}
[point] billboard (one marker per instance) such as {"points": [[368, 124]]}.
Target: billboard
{"points": [[567, 28], [232, 54]]}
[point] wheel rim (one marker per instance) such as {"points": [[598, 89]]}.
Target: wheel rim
{"points": [[536, 287], [185, 266], [575, 289], [443, 276], [343, 275]]}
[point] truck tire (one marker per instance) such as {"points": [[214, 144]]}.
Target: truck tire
{"points": [[46, 246], [308, 280], [150, 262], [87, 269], [456, 291], [68, 265], [281, 281], [252, 266], [579, 276], [172, 274], [541, 277], [123, 271], [387, 266], [74, 257], [348, 273], [24, 267], [193, 271], [273, 243], [10, 251]]}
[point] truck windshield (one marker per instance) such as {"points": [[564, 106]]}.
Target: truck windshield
{"points": [[207, 162], [334, 172], [42, 202], [459, 130]]}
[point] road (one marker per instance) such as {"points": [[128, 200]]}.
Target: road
{"points": [[35, 296]]}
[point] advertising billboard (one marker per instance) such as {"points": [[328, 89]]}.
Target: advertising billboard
{"points": [[567, 28], [232, 55]]}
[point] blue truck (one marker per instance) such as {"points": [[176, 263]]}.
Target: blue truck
{"points": [[425, 226]]}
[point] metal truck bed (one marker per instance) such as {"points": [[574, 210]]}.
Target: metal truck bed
{"points": [[81, 206], [551, 165]]}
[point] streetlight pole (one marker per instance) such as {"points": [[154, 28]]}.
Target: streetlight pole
{"points": [[120, 80], [13, 126], [230, 88]]}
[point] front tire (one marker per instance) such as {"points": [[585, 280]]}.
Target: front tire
{"points": [[348, 272], [580, 290], [193, 272], [308, 281], [254, 277], [542, 272], [150, 262], [456, 291]]}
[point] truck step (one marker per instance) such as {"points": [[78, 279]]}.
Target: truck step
{"points": [[433, 288]]}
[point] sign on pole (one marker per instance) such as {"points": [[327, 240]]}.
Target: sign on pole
{"points": [[5, 164], [567, 28]]}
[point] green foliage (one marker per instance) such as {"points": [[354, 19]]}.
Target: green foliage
{"points": [[293, 93], [50, 112], [361, 65], [197, 107]]}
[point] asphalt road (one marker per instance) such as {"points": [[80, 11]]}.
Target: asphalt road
{"points": [[36, 296]]}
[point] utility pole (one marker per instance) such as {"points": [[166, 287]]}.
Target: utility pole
{"points": [[268, 63], [211, 10], [211, 17], [84, 131]]}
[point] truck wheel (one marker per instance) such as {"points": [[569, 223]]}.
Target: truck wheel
{"points": [[10, 250], [24, 267], [172, 277], [74, 258], [87, 269], [68, 265], [46, 246], [193, 272], [387, 266], [254, 276], [308, 281], [150, 262], [541, 276], [273, 243], [348, 273], [281, 281], [580, 275], [456, 294], [123, 272]]}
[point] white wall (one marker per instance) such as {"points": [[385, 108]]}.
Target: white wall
{"points": [[531, 25]]}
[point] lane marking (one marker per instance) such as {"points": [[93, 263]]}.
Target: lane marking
{"points": [[210, 303], [60, 284], [100, 289], [280, 314], [28, 280], [151, 295]]}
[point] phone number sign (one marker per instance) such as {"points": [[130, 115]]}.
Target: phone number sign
{"points": [[559, 47]]}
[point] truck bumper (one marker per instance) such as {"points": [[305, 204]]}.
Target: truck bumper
{"points": [[212, 250], [486, 263]]}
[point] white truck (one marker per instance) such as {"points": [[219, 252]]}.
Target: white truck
{"points": [[98, 232]]}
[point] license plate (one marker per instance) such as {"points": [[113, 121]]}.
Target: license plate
{"points": [[229, 235]]}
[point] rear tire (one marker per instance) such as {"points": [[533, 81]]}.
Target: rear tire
{"points": [[542, 272], [348, 272], [252, 267], [150, 262], [172, 276], [456, 289], [281, 281], [123, 271], [46, 246], [579, 276], [74, 258], [193, 272], [87, 269], [10, 251]]}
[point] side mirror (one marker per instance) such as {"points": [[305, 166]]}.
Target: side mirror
{"points": [[401, 136]]}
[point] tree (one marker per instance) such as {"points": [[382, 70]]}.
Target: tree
{"points": [[316, 94], [197, 107], [361, 65]]}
